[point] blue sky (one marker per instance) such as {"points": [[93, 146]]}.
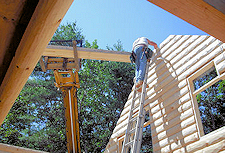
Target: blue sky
{"points": [[111, 20]]}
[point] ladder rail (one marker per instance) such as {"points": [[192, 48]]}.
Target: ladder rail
{"points": [[129, 118], [135, 144], [140, 122]]}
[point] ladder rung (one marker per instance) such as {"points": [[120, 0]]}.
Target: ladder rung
{"points": [[135, 98], [135, 107], [129, 143], [133, 119], [135, 89], [132, 131]]}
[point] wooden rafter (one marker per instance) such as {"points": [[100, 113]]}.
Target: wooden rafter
{"points": [[45, 20], [198, 13]]}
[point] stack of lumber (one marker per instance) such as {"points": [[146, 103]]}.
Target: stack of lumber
{"points": [[174, 118]]}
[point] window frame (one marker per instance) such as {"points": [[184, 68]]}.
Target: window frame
{"points": [[194, 93]]}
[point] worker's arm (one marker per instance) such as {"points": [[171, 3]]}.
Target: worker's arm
{"points": [[152, 44]]}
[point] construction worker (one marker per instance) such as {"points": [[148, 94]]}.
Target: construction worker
{"points": [[138, 48]]}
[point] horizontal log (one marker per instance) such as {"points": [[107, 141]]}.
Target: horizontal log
{"points": [[164, 111], [170, 116], [87, 53], [207, 140], [180, 135], [170, 128], [186, 141], [170, 43], [170, 123], [174, 114], [155, 117], [221, 67], [221, 56], [178, 43], [60, 66], [200, 51], [196, 45], [208, 54], [220, 146], [178, 144], [167, 40], [112, 148], [16, 149], [198, 62], [188, 45], [124, 117], [154, 96]]}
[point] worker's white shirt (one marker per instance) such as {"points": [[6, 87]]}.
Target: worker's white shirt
{"points": [[140, 41]]}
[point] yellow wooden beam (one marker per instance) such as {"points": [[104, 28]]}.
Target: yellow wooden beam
{"points": [[44, 22], [87, 53], [198, 13]]}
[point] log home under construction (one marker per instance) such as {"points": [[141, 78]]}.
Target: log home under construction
{"points": [[26, 27], [171, 97]]}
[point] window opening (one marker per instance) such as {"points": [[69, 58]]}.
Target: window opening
{"points": [[211, 106], [205, 78], [208, 93]]}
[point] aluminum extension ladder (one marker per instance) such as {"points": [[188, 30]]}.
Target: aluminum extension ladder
{"points": [[133, 136]]}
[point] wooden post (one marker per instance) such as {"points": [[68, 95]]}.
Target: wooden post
{"points": [[76, 59]]}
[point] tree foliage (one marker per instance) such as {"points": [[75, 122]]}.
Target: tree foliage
{"points": [[104, 90], [37, 118]]}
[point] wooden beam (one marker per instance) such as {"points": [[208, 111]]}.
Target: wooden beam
{"points": [[5, 148], [76, 59], [198, 13], [10, 15], [44, 22], [87, 53]]}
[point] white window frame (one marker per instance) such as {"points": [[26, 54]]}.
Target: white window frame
{"points": [[194, 92]]}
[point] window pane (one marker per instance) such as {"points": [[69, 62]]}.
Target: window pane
{"points": [[205, 78], [211, 104]]}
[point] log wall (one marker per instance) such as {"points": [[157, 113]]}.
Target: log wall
{"points": [[174, 116]]}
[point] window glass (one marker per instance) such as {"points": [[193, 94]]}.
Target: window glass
{"points": [[204, 78], [211, 104]]}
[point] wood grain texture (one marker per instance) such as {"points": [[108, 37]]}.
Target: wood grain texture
{"points": [[198, 13], [87, 53], [44, 22]]}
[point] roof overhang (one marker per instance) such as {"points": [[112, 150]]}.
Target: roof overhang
{"points": [[207, 15]]}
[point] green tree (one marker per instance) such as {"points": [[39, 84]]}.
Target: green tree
{"points": [[37, 117], [105, 87]]}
